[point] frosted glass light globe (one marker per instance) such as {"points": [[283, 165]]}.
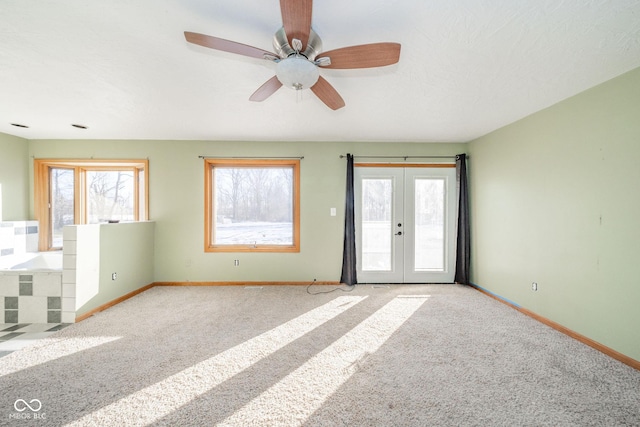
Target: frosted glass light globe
{"points": [[297, 72]]}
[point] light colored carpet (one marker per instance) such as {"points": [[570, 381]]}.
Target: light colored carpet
{"points": [[411, 355]]}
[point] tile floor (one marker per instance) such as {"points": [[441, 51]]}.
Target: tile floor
{"points": [[14, 336]]}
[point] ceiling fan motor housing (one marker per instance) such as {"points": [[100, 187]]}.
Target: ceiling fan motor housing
{"points": [[284, 50]]}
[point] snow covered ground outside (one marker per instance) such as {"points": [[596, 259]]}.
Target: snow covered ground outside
{"points": [[376, 240], [254, 233], [377, 251]]}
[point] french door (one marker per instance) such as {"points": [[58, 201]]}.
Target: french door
{"points": [[405, 224]]}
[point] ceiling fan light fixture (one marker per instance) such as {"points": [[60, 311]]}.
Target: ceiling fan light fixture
{"points": [[298, 68], [297, 72]]}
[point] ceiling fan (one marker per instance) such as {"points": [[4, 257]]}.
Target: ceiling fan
{"points": [[298, 55]]}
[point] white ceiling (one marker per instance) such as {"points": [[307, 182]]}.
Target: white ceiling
{"points": [[467, 67]]}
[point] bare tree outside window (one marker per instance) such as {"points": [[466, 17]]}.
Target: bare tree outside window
{"points": [[252, 205], [62, 202], [110, 196]]}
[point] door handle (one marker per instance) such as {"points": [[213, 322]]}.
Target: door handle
{"points": [[399, 233]]}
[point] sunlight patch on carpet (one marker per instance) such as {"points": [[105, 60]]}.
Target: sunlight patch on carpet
{"points": [[150, 404], [292, 400], [49, 349]]}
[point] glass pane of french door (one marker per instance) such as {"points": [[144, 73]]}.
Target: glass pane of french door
{"points": [[377, 254], [429, 219]]}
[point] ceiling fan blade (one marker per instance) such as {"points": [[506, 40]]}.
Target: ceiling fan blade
{"points": [[327, 94], [226, 45], [266, 90], [363, 56], [296, 20]]}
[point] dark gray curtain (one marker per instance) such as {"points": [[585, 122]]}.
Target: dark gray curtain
{"points": [[463, 251], [349, 249]]}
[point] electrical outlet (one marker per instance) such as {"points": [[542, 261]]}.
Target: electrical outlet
{"points": [[114, 276], [534, 286], [236, 262]]}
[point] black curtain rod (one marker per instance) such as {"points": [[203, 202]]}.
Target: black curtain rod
{"points": [[249, 157], [342, 156]]}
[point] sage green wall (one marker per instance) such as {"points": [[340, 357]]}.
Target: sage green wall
{"points": [[14, 178], [176, 178], [555, 199]]}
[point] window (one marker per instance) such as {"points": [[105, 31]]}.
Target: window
{"points": [[87, 192], [252, 205]]}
